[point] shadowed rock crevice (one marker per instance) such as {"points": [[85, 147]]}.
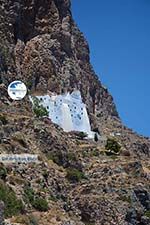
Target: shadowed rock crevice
{"points": [[63, 6]]}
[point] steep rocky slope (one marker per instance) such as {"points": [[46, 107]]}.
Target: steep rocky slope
{"points": [[41, 45]]}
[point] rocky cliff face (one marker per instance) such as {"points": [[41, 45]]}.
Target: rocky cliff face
{"points": [[42, 45], [80, 181]]}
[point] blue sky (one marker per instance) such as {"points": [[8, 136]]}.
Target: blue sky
{"points": [[118, 32]]}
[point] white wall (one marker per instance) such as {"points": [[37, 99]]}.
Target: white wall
{"points": [[68, 111]]}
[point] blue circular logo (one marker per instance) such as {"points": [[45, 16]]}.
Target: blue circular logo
{"points": [[17, 90]]}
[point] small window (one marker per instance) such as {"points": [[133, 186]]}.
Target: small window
{"points": [[47, 107], [41, 99]]}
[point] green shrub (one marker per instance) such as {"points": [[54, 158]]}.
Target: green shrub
{"points": [[95, 152], [13, 206], [147, 213], [82, 135], [39, 110], [3, 172], [74, 175], [71, 156], [3, 119], [56, 157], [59, 158], [40, 204], [29, 84], [29, 194], [36, 201], [126, 199], [112, 146], [85, 154], [45, 174]]}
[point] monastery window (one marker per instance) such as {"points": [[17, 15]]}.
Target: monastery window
{"points": [[79, 117], [41, 99], [47, 107]]}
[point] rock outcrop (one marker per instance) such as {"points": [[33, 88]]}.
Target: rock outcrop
{"points": [[42, 45]]}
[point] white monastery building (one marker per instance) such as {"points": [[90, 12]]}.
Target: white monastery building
{"points": [[68, 111]]}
